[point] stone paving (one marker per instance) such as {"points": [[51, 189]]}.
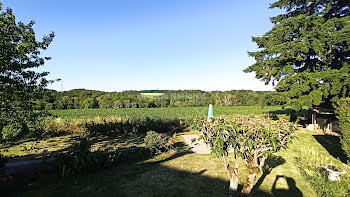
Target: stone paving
{"points": [[198, 147]]}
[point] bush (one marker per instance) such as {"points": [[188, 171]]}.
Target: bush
{"points": [[44, 127], [12, 131], [129, 125], [344, 123], [311, 166], [79, 159], [158, 143]]}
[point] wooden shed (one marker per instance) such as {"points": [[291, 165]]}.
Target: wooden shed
{"points": [[323, 119]]}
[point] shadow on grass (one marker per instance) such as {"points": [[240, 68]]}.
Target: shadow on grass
{"points": [[135, 177], [333, 145], [270, 163], [292, 188], [35, 149]]}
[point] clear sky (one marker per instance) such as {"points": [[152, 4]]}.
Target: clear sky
{"points": [[115, 45]]}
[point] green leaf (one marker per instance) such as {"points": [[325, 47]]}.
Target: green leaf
{"points": [[239, 154], [266, 154], [274, 144], [250, 144]]}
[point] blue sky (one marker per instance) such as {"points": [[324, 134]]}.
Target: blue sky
{"points": [[115, 45]]}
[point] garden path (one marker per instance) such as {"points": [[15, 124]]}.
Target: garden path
{"points": [[198, 147]]}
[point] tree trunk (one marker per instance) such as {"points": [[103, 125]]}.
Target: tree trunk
{"points": [[248, 185], [234, 180]]}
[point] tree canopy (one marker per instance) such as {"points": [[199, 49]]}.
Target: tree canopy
{"points": [[307, 51], [19, 82], [82, 99]]}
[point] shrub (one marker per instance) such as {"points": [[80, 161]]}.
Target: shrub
{"points": [[344, 123], [50, 127], [44, 127], [79, 159], [253, 139], [91, 128], [12, 131], [129, 125], [158, 143], [311, 166]]}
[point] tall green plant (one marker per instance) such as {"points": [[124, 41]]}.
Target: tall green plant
{"points": [[344, 123], [252, 139]]}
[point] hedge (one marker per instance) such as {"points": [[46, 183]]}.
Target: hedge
{"points": [[344, 123]]}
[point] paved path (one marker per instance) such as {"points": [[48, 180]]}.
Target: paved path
{"points": [[198, 147]]}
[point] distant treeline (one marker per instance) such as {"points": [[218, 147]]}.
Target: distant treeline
{"points": [[83, 99]]}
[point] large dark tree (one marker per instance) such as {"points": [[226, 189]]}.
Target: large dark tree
{"points": [[307, 51], [20, 84]]}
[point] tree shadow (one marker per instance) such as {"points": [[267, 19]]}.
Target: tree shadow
{"points": [[133, 178], [9, 144], [333, 145], [287, 111], [271, 162], [57, 145], [292, 190]]}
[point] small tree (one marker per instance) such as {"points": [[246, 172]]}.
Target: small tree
{"points": [[252, 139], [20, 85]]}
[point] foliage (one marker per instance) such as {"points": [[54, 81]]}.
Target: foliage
{"points": [[79, 159], [12, 130], [275, 98], [344, 123], [117, 125], [44, 127], [131, 121], [251, 138], [311, 166], [307, 52], [84, 99], [158, 143], [183, 113], [19, 83]]}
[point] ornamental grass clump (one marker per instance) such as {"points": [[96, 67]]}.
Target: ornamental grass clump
{"points": [[251, 138]]}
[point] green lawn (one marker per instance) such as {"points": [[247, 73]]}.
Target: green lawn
{"points": [[184, 174], [35, 149]]}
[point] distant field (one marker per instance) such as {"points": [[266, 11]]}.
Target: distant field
{"points": [[151, 94], [160, 113]]}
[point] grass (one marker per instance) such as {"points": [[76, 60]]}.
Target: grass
{"points": [[183, 174], [34, 149], [172, 174], [72, 121]]}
